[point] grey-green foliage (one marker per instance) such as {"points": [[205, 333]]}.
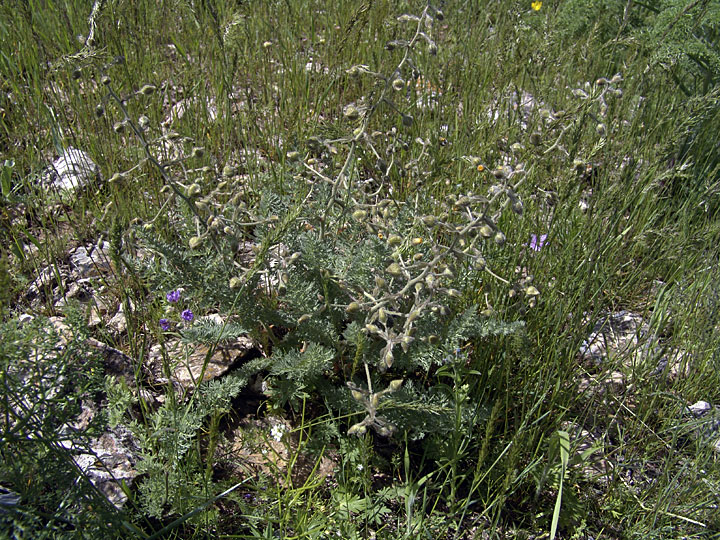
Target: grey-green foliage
{"points": [[680, 36], [44, 378], [175, 472]]}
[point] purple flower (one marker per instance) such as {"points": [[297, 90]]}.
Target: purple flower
{"points": [[164, 324], [173, 296], [537, 242], [187, 315]]}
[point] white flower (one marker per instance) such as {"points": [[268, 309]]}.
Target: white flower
{"points": [[278, 431]]}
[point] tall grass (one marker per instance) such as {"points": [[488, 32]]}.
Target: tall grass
{"points": [[627, 196]]}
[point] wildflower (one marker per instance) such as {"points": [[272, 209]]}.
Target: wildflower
{"points": [[278, 431], [537, 242], [536, 6], [173, 296], [187, 315], [164, 324]]}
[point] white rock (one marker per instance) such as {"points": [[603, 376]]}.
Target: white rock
{"points": [[72, 170], [700, 408]]}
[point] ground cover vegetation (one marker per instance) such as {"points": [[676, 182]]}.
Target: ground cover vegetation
{"points": [[430, 270]]}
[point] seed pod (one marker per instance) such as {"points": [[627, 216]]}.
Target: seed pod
{"points": [[486, 231], [143, 121], [395, 385], [105, 79], [499, 238], [116, 177], [353, 307], [371, 328], [119, 127], [453, 293], [380, 282], [303, 318], [517, 207], [382, 315], [429, 220], [197, 152], [398, 84], [407, 120], [99, 110], [359, 215], [480, 263], [195, 242], [194, 190], [357, 396], [535, 139], [418, 257], [601, 130]]}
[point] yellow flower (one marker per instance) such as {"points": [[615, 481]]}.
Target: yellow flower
{"points": [[536, 6]]}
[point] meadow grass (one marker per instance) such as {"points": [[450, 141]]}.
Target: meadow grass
{"points": [[625, 188]]}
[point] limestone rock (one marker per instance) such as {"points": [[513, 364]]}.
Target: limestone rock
{"points": [[72, 170]]}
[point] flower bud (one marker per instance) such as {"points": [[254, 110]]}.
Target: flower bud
{"points": [[359, 215], [418, 257], [235, 283], [499, 238], [398, 84], [394, 240], [535, 138], [389, 358], [194, 190], [394, 269], [195, 242], [357, 395], [119, 127], [395, 385], [371, 328], [143, 121], [532, 291], [303, 318], [601, 130], [353, 307], [357, 429], [147, 89], [197, 152], [99, 110], [105, 79], [351, 112], [480, 263], [407, 120], [382, 315], [380, 282], [429, 220], [116, 177]]}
